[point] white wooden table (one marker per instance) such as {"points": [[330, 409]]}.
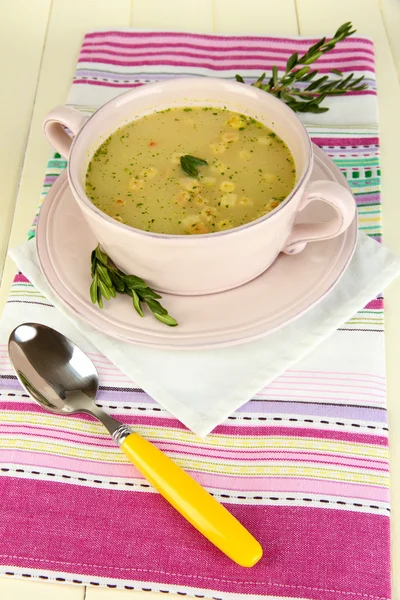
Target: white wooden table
{"points": [[39, 44]]}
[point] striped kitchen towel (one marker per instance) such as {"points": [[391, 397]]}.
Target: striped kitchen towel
{"points": [[303, 465]]}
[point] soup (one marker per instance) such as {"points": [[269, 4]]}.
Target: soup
{"points": [[190, 171]]}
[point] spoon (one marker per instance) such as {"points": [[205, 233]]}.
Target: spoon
{"points": [[63, 380]]}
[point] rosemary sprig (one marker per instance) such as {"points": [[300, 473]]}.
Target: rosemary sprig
{"points": [[300, 88], [190, 163], [107, 280]]}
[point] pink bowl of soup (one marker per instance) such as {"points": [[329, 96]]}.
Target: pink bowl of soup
{"points": [[194, 184]]}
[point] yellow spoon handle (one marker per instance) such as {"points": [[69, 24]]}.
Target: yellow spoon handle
{"points": [[194, 503]]}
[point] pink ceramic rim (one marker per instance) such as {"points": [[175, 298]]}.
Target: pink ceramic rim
{"points": [[48, 271], [185, 238]]}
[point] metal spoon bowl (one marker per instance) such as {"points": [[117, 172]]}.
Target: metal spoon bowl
{"points": [[58, 374], [63, 380]]}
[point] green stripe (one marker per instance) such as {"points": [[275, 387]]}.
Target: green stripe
{"points": [[56, 164], [367, 194], [371, 181], [369, 162]]}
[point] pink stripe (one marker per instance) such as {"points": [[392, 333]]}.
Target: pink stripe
{"points": [[274, 456], [307, 553], [347, 142], [79, 466], [341, 400], [93, 54], [231, 430], [267, 47], [321, 374], [220, 39], [376, 304], [325, 378], [273, 386], [233, 483], [105, 83], [99, 359], [177, 449], [28, 405], [294, 485], [98, 441], [20, 278], [301, 432]]}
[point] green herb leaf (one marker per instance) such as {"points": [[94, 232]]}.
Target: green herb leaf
{"points": [[135, 283], [101, 256], [301, 72], [93, 291], [309, 76], [129, 292], [107, 280], [316, 46], [93, 262], [148, 293], [190, 163], [316, 83], [167, 320], [99, 298], [274, 75], [303, 100], [105, 291], [312, 58], [316, 109], [117, 281], [156, 307], [292, 62], [103, 275], [259, 81], [136, 304]]}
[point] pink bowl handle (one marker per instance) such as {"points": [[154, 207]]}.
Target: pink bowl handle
{"points": [[339, 198], [55, 132]]}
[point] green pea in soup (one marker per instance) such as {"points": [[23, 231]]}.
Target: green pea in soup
{"points": [[190, 170]]}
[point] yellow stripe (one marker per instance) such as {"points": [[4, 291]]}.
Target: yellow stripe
{"points": [[115, 456], [360, 320], [212, 441], [370, 208], [369, 219]]}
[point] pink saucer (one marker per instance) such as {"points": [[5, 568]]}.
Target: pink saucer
{"points": [[289, 288]]}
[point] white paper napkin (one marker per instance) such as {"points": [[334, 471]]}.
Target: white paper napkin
{"points": [[202, 388]]}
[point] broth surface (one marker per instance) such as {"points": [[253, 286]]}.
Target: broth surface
{"points": [[136, 176]]}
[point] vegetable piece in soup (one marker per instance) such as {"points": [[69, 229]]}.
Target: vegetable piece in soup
{"points": [[190, 171]]}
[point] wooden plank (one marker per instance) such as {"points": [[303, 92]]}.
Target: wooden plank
{"points": [[324, 17], [15, 589], [255, 16], [391, 17], [21, 48], [178, 15], [69, 21]]}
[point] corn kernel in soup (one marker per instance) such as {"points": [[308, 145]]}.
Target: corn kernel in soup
{"points": [[137, 177]]}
